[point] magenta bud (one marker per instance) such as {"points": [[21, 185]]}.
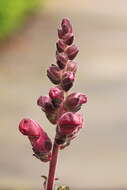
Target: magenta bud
{"points": [[50, 109], [57, 96], [29, 127], [60, 33], [40, 141], [60, 46], [66, 26], [72, 66], [74, 101], [67, 80], [45, 103], [54, 74], [72, 51], [62, 58], [68, 38], [60, 64], [69, 123], [40, 101]]}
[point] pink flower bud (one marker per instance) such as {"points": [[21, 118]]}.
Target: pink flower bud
{"points": [[45, 103], [57, 96], [60, 64], [68, 38], [50, 109], [67, 80], [40, 141], [74, 101], [60, 33], [69, 123], [66, 26], [62, 59], [54, 74], [72, 51], [72, 66], [60, 46]]}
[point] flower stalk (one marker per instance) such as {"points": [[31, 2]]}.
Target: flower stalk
{"points": [[52, 167]]}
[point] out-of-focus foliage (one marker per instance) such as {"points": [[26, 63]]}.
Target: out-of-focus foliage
{"points": [[63, 188], [13, 13]]}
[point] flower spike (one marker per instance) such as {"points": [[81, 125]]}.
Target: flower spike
{"points": [[59, 106]]}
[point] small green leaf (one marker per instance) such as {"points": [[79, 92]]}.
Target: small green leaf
{"points": [[63, 188]]}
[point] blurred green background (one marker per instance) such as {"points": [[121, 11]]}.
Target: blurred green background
{"points": [[13, 13], [97, 159]]}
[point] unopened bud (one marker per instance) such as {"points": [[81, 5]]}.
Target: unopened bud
{"points": [[60, 33], [72, 51], [72, 66], [40, 141], [62, 58], [54, 74], [66, 26], [69, 123], [60, 64], [57, 96], [67, 80], [45, 103], [68, 38], [74, 101], [60, 45], [50, 109]]}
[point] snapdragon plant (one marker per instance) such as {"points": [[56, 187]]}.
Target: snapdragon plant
{"points": [[59, 106]]}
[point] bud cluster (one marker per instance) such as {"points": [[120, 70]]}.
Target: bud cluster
{"points": [[63, 73], [60, 110]]}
